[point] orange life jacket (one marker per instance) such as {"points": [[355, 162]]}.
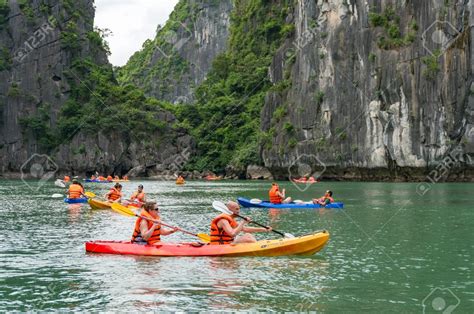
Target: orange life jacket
{"points": [[109, 178], [138, 196], [155, 237], [75, 191], [273, 195], [114, 195], [67, 179], [218, 235], [324, 198], [101, 178]]}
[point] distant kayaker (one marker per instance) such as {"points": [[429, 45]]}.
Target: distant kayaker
{"points": [[138, 196], [76, 190], [125, 178], [115, 193], [324, 200], [225, 229], [93, 177], [116, 177], [277, 197], [147, 231], [109, 178], [67, 179]]}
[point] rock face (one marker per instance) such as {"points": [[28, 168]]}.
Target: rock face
{"points": [[34, 60], [376, 89], [258, 173], [179, 58]]}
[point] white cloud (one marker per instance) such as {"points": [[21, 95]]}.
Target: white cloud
{"points": [[131, 22]]}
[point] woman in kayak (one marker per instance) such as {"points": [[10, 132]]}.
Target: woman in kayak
{"points": [[138, 197], [76, 190], [324, 200], [277, 197], [148, 231], [115, 193], [225, 229]]}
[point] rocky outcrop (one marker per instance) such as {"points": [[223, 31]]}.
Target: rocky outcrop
{"points": [[377, 89], [255, 172], [39, 43], [172, 65]]}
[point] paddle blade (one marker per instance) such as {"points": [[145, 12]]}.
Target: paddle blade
{"points": [[218, 205], [59, 183], [255, 201], [204, 237], [90, 194], [289, 235], [57, 196], [123, 210]]}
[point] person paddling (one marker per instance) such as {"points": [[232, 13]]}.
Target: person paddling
{"points": [[277, 197], [138, 197], [225, 229], [147, 231], [324, 200], [76, 190], [115, 193]]}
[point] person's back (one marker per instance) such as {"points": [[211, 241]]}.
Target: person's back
{"points": [[75, 190]]}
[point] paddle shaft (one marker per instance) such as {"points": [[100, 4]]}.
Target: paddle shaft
{"points": [[166, 225], [260, 225]]}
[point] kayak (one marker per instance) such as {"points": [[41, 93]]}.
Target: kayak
{"points": [[266, 204], [96, 204], [305, 181], [303, 245], [213, 178], [97, 181], [75, 200], [180, 182], [120, 180]]}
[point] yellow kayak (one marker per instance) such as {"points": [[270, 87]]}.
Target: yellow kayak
{"points": [[96, 204], [304, 245]]}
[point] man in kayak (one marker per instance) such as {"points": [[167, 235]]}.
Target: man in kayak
{"points": [[109, 178], [115, 193], [138, 197], [324, 200], [76, 190], [148, 231], [225, 229], [277, 197]]}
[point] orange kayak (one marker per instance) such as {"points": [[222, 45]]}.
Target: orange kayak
{"points": [[304, 245]]}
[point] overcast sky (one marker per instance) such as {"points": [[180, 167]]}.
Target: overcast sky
{"points": [[131, 22]]}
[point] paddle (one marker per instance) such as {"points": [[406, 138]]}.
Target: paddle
{"points": [[59, 183], [128, 212], [57, 196], [223, 209]]}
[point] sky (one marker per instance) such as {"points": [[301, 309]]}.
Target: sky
{"points": [[131, 22]]}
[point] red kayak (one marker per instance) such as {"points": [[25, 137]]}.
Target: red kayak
{"points": [[304, 245]]}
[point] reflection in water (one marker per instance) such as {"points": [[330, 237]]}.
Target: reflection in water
{"points": [[421, 240]]}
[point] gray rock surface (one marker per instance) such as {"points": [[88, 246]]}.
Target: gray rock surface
{"points": [[362, 111]]}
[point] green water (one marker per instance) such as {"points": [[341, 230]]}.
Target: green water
{"points": [[389, 250]]}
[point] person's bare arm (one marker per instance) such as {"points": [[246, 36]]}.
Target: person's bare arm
{"points": [[145, 232], [252, 229], [224, 224]]}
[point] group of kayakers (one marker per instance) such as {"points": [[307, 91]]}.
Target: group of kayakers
{"points": [[224, 228], [277, 196], [109, 178]]}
